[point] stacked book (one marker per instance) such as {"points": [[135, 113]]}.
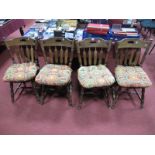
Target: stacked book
{"points": [[69, 22], [131, 32], [42, 20], [39, 26], [102, 29]]}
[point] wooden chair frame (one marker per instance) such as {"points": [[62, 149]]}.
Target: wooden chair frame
{"points": [[128, 53], [57, 51], [22, 50], [93, 52]]}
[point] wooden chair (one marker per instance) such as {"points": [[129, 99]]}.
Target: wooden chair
{"points": [[93, 73], [129, 72], [24, 68], [58, 55]]}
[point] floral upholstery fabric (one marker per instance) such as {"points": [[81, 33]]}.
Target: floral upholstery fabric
{"points": [[95, 76], [54, 75], [129, 76], [20, 72]]}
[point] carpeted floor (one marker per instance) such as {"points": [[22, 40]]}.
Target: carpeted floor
{"points": [[26, 116]]}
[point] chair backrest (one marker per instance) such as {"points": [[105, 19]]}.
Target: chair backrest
{"points": [[57, 51], [22, 49], [93, 51], [131, 52]]}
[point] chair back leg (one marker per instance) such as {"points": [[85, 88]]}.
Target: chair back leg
{"points": [[142, 97], [35, 90], [42, 96], [81, 97], [12, 92], [109, 97], [69, 94]]}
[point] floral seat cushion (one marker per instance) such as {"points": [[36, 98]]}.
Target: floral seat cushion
{"points": [[131, 76], [95, 76], [54, 75], [20, 72]]}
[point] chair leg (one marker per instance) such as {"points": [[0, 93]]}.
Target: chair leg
{"points": [[69, 94], [113, 98], [116, 95], [108, 96], [81, 97], [152, 49], [24, 85], [42, 94], [35, 90], [12, 92], [142, 97]]}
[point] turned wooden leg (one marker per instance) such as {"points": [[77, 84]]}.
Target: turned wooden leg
{"points": [[81, 97], [142, 97], [21, 31], [35, 90], [108, 96], [12, 92], [42, 94], [69, 94], [116, 95], [24, 85], [113, 97], [152, 49]]}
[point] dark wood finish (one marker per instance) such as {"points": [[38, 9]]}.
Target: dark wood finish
{"points": [[57, 51], [142, 97], [152, 49], [12, 92], [129, 53], [93, 52], [69, 94], [21, 50]]}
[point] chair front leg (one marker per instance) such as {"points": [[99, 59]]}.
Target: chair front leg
{"points": [[42, 94], [109, 97], [115, 94], [142, 97], [152, 49], [69, 94], [81, 97], [113, 97], [35, 89], [24, 84], [12, 92]]}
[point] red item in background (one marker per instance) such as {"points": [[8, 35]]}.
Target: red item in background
{"points": [[98, 28], [115, 21]]}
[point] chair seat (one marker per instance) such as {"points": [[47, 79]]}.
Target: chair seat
{"points": [[95, 76], [131, 76], [20, 72], [54, 75]]}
